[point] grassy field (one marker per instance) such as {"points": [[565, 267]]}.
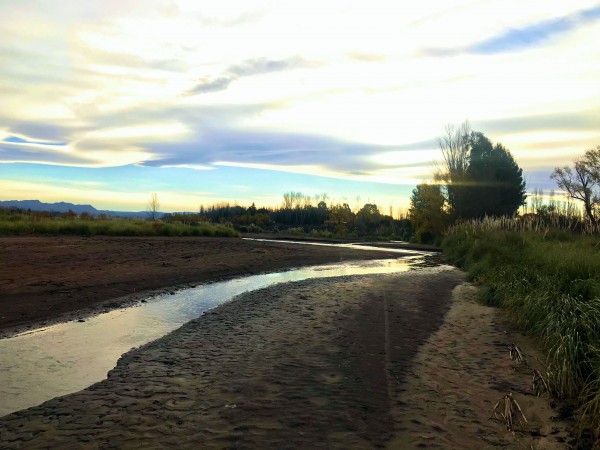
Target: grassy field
{"points": [[23, 224], [550, 282]]}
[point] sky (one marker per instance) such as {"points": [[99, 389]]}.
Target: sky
{"points": [[106, 102]]}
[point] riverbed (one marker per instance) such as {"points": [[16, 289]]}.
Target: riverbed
{"points": [[312, 363], [63, 358]]}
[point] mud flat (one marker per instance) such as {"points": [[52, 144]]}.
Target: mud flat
{"points": [[397, 361], [58, 278]]}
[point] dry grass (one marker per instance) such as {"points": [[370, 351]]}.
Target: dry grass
{"points": [[510, 412]]}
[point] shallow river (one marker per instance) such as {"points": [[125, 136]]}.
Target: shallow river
{"points": [[49, 362]]}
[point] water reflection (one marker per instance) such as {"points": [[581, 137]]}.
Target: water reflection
{"points": [[354, 246], [65, 358]]}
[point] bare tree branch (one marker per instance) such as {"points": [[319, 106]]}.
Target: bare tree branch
{"points": [[153, 206], [454, 145], [582, 182]]}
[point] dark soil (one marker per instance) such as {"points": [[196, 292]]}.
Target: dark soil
{"points": [[45, 279]]}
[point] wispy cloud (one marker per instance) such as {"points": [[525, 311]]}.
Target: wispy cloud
{"points": [[586, 120], [292, 151], [18, 151], [366, 57], [244, 18], [211, 85], [39, 131], [20, 140], [248, 68]]}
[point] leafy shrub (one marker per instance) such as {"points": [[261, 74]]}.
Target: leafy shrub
{"points": [[295, 231]]}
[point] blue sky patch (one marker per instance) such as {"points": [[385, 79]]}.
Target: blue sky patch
{"points": [[535, 34]]}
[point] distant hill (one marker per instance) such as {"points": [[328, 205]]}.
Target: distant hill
{"points": [[63, 207]]}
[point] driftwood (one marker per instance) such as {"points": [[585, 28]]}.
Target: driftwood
{"points": [[538, 384], [509, 411]]}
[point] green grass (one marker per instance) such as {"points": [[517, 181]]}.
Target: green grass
{"points": [[31, 225], [550, 282]]}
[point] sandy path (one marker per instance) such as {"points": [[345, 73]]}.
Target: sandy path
{"points": [[458, 376]]}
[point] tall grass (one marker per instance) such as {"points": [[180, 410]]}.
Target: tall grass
{"points": [[535, 222], [27, 225], [549, 280]]}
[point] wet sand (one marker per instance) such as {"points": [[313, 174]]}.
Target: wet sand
{"points": [[397, 361], [60, 278]]}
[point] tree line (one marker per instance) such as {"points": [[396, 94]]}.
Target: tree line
{"points": [[478, 179], [303, 214]]}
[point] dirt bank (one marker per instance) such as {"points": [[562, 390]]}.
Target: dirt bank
{"points": [[44, 279]]}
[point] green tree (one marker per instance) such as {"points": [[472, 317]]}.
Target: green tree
{"points": [[427, 212], [495, 185], [582, 182], [340, 218], [368, 219], [479, 178]]}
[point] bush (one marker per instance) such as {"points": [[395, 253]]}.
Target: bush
{"points": [[250, 228], [295, 231], [320, 234]]}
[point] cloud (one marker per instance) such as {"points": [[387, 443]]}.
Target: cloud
{"points": [[248, 68], [107, 82], [366, 57], [263, 65], [41, 131], [20, 140], [299, 152], [563, 121], [441, 52], [211, 85], [20, 150], [240, 19], [200, 137]]}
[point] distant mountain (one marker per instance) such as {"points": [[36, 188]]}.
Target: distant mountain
{"points": [[63, 207]]}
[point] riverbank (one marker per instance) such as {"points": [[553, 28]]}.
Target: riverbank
{"points": [[46, 279], [548, 281], [353, 362]]}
